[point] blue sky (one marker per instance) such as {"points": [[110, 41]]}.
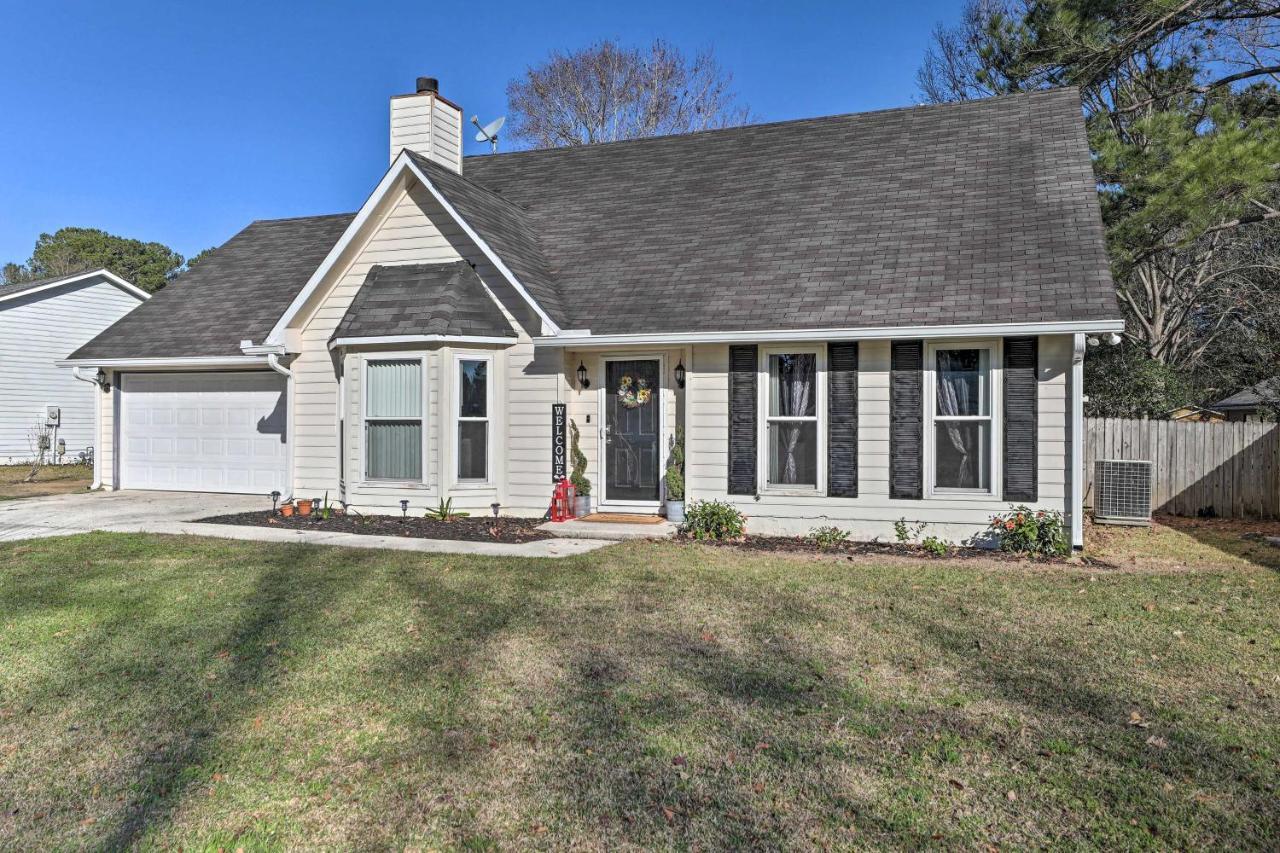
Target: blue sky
{"points": [[182, 122]]}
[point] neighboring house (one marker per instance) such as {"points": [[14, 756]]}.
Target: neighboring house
{"points": [[40, 322], [1261, 402], [1195, 413], [855, 319]]}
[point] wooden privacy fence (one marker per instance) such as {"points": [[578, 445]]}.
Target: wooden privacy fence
{"points": [[1231, 469]]}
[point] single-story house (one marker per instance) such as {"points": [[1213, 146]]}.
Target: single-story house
{"points": [[851, 320], [40, 322], [1255, 403]]}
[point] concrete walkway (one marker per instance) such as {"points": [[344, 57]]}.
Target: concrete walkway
{"points": [[175, 513]]}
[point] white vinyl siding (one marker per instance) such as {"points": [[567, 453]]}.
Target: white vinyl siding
{"points": [[428, 126], [36, 331], [873, 512]]}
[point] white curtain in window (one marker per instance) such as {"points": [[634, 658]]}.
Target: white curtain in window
{"points": [[796, 398], [958, 395]]}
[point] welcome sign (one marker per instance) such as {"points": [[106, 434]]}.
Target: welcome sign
{"points": [[559, 450]]}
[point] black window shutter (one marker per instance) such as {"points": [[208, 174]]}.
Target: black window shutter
{"points": [[743, 362], [842, 419], [906, 420], [1021, 382]]}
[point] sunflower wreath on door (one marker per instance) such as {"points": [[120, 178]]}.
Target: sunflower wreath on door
{"points": [[632, 392]]}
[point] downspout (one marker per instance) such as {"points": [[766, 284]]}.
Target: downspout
{"points": [[1077, 440], [97, 427], [273, 361]]}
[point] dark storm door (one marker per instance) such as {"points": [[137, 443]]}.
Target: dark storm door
{"points": [[632, 429]]}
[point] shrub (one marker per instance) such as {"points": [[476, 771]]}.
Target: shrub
{"points": [[675, 468], [828, 536], [714, 520], [1031, 531], [578, 475], [904, 532], [934, 546]]}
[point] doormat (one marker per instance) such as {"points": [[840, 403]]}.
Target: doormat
{"points": [[622, 518]]}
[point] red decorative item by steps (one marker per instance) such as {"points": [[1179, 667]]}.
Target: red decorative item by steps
{"points": [[562, 501]]}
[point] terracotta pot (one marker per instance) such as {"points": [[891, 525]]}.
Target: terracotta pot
{"points": [[304, 507], [286, 510]]}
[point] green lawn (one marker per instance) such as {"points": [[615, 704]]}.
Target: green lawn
{"points": [[188, 692]]}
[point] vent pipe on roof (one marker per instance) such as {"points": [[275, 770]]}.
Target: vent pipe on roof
{"points": [[428, 84]]}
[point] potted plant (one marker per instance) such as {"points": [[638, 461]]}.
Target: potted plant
{"points": [[675, 479], [578, 476], [286, 509], [304, 506]]}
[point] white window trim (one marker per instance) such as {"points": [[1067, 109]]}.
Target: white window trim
{"points": [[456, 418], [995, 457], [365, 479], [762, 419]]}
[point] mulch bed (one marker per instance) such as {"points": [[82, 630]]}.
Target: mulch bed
{"points": [[488, 529], [802, 545]]}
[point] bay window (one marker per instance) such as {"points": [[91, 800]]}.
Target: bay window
{"points": [[962, 433], [473, 420], [791, 420], [394, 412]]}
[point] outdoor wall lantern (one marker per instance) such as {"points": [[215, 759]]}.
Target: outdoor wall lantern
{"points": [[102, 380], [680, 373], [583, 381]]}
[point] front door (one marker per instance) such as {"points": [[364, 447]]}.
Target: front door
{"points": [[632, 431]]}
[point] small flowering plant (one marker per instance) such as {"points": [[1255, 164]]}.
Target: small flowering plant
{"points": [[1031, 531]]}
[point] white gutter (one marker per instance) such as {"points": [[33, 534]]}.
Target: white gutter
{"points": [[422, 339], [577, 339], [97, 427], [191, 363]]}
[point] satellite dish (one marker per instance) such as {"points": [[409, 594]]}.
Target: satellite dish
{"points": [[489, 133]]}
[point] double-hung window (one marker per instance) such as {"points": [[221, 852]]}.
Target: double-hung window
{"points": [[473, 420], [791, 418], [395, 403], [962, 435]]}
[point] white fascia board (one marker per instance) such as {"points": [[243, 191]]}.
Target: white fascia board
{"points": [[489, 253], [73, 279], [212, 362], [875, 333], [276, 336], [249, 348], [421, 339]]}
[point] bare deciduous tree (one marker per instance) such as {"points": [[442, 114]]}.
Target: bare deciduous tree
{"points": [[608, 92], [40, 437]]}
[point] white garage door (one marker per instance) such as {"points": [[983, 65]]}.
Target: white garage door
{"points": [[203, 432]]}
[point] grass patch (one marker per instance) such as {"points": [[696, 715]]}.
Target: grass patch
{"points": [[185, 692], [52, 480]]}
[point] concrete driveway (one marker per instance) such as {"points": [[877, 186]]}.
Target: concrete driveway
{"points": [[176, 512], [129, 512]]}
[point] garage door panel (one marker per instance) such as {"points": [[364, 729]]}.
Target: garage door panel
{"points": [[216, 432]]}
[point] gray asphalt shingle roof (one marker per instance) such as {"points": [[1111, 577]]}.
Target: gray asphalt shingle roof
{"points": [[237, 292], [506, 229], [979, 212], [423, 299], [1266, 391]]}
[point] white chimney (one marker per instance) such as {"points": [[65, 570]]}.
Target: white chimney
{"points": [[427, 124]]}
